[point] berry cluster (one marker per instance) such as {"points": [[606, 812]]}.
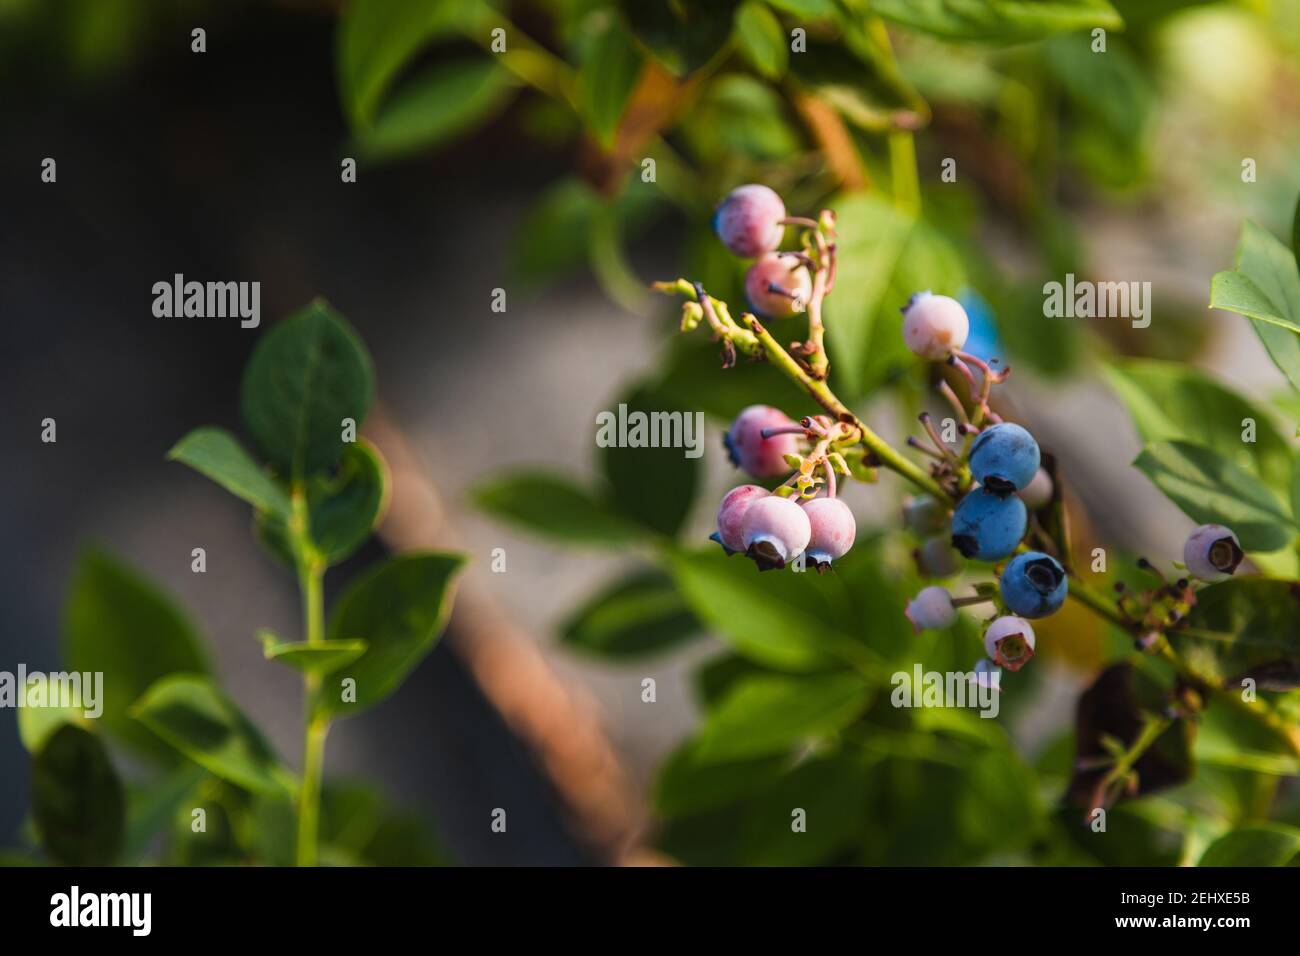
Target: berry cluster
{"points": [[991, 500]]}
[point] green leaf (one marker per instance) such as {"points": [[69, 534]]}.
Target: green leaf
{"points": [[196, 718], [444, 101], [884, 257], [1210, 489], [152, 808], [797, 621], [761, 39], [1266, 288], [556, 508], [78, 805], [607, 76], [216, 453], [1261, 844], [1002, 21], [640, 615], [323, 657], [36, 724], [118, 624], [806, 8], [1171, 401], [683, 35], [1239, 624], [400, 609], [307, 374], [653, 486], [376, 38], [343, 508], [357, 821], [772, 713], [688, 784]]}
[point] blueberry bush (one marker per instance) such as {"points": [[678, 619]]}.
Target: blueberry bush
{"points": [[213, 791]]}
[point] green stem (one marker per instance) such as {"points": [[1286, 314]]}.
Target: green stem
{"points": [[311, 584], [902, 168]]}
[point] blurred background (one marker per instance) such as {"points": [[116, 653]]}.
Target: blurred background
{"points": [[524, 170]]}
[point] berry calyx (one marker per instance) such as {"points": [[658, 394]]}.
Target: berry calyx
{"points": [[934, 326], [774, 530], [1033, 585], [778, 285], [731, 515], [1004, 458], [749, 220], [1009, 642], [748, 449], [1212, 552], [833, 530], [931, 609], [987, 526]]}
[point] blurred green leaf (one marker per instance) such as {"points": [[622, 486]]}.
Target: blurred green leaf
{"points": [[813, 9], [772, 713], [443, 101], [683, 35], [376, 38], [358, 821], [307, 374], [216, 453], [1262, 844], [151, 808], [1142, 833], [323, 657], [639, 615], [1000, 21], [118, 624], [1239, 624], [35, 724], [343, 508], [1210, 489], [653, 486], [400, 609], [78, 805], [1266, 289], [761, 39], [201, 722], [688, 784], [555, 507], [884, 257], [1172, 401], [738, 114], [607, 76]]}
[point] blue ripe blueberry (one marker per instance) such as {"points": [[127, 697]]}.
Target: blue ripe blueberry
{"points": [[1033, 585], [988, 527], [748, 220], [1004, 458]]}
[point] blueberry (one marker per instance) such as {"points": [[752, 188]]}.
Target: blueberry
{"points": [[792, 282], [833, 530], [1038, 493], [748, 449], [924, 515], [774, 530], [934, 326], [748, 220], [987, 674], [1004, 458], [1009, 642], [937, 559], [1212, 552], [932, 608], [988, 527], [731, 515], [1033, 585]]}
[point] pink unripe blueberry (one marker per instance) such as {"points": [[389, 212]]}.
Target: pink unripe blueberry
{"points": [[774, 530], [1009, 641], [748, 449], [1212, 552], [748, 220], [833, 530], [1038, 493], [731, 515], [931, 609], [934, 325], [778, 285]]}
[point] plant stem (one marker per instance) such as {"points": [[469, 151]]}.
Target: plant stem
{"points": [[311, 580]]}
